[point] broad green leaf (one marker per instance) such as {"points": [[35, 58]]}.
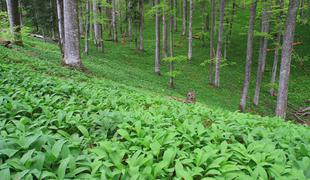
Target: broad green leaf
{"points": [[62, 168], [57, 147], [83, 130]]}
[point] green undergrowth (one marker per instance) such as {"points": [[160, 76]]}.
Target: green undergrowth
{"points": [[57, 123]]}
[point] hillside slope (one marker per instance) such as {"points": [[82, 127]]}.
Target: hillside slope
{"points": [[62, 123]]}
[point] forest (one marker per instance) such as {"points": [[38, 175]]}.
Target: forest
{"points": [[155, 89]]}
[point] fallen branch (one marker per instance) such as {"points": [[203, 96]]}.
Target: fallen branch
{"points": [[294, 44]]}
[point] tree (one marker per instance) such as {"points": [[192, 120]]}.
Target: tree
{"points": [[219, 45], [87, 27], [262, 50], [157, 29], [249, 56], [72, 36], [175, 22], [190, 30], [120, 16], [14, 19], [165, 46], [114, 28], [141, 24], [212, 9], [277, 48], [97, 26], [171, 64], [184, 18], [287, 48], [61, 31]]}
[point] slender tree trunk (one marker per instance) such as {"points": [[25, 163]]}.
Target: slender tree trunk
{"points": [[171, 65], [190, 30], [249, 56], [81, 20], [96, 25], [219, 45], [20, 5], [72, 36], [114, 28], [287, 48], [141, 7], [129, 23], [157, 29], [120, 17], [14, 18], [184, 18], [301, 9], [165, 46], [61, 32], [212, 11], [276, 51], [262, 51], [203, 21], [87, 27], [175, 20]]}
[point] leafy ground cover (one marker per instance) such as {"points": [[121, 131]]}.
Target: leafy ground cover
{"points": [[58, 123]]}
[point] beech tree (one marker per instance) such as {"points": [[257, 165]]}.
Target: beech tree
{"points": [[87, 27], [249, 56], [287, 48], [97, 26], [212, 8], [72, 36], [190, 30], [219, 45], [165, 46], [61, 31], [184, 18], [114, 28], [262, 50], [171, 64], [141, 24], [157, 32], [14, 19]]}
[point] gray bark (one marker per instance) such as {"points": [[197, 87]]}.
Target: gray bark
{"points": [[190, 30], [165, 46], [219, 45], [141, 46], [114, 28], [87, 27], [81, 20], [287, 48], [97, 27], [61, 31], [212, 9], [171, 65], [14, 19], [262, 51], [157, 50], [249, 56], [120, 17], [129, 23], [276, 51], [175, 21], [72, 36], [184, 21]]}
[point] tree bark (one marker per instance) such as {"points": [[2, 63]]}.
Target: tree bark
{"points": [[97, 29], [276, 51], [61, 31], [184, 22], [203, 21], [249, 56], [81, 19], [87, 27], [114, 28], [212, 9], [157, 29], [171, 65], [72, 36], [165, 47], [190, 30], [120, 17], [175, 20], [14, 19], [129, 23], [287, 48], [141, 7], [262, 51], [219, 45]]}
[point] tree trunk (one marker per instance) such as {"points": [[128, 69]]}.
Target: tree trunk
{"points": [[190, 30], [219, 45], [287, 48], [276, 51], [129, 23], [184, 23], [157, 29], [262, 51], [175, 20], [141, 7], [81, 20], [72, 36], [61, 32], [212, 12], [165, 47], [203, 21], [96, 25], [171, 65], [114, 28], [249, 56], [87, 27], [120, 17], [14, 18]]}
